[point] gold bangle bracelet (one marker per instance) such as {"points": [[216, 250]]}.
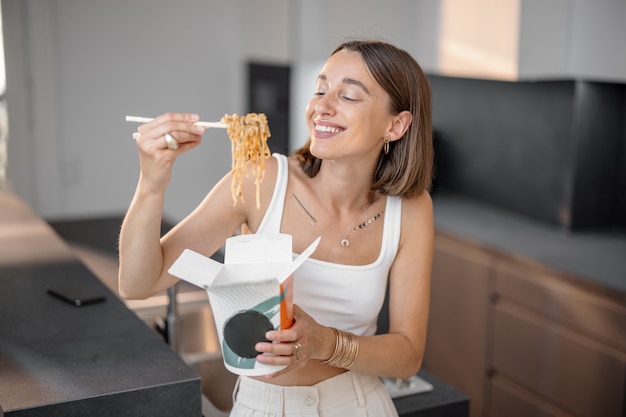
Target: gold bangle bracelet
{"points": [[346, 350]]}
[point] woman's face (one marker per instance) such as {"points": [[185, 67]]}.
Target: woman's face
{"points": [[349, 112]]}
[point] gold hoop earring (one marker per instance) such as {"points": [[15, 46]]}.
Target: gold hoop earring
{"points": [[386, 145]]}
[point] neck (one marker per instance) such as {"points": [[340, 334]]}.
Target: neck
{"points": [[344, 188]]}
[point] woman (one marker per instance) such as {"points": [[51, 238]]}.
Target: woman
{"points": [[361, 183]]}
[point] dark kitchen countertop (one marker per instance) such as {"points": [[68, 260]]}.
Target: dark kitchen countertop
{"points": [[598, 257], [443, 401], [57, 359]]}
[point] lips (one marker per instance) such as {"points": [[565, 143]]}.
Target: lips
{"points": [[327, 130]]}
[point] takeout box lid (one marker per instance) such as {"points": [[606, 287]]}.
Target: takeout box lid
{"points": [[269, 256]]}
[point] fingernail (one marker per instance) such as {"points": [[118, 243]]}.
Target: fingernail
{"points": [[200, 129], [271, 335], [194, 117]]}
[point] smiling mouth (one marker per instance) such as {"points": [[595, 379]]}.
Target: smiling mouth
{"points": [[327, 129]]}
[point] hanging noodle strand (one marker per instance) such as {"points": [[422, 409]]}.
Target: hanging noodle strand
{"points": [[248, 136]]}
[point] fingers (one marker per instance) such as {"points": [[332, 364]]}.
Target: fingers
{"points": [[170, 131], [285, 347], [285, 350], [160, 141], [292, 355], [291, 347]]}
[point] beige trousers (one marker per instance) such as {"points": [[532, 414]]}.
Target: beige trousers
{"points": [[346, 395]]}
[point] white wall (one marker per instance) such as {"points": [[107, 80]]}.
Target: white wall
{"points": [[597, 48], [573, 39], [75, 68], [86, 64], [545, 36]]}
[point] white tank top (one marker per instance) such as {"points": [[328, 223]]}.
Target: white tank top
{"points": [[348, 297]]}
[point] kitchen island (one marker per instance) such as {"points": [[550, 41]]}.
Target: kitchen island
{"points": [[59, 359]]}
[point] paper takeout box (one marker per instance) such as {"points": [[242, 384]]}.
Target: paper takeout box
{"points": [[250, 293]]}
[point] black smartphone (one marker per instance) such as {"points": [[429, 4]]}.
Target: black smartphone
{"points": [[76, 296]]}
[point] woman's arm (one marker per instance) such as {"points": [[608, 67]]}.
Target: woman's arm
{"points": [[400, 353], [145, 257], [139, 247]]}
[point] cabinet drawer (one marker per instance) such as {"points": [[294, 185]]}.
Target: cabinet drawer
{"points": [[575, 373], [598, 316], [509, 400]]}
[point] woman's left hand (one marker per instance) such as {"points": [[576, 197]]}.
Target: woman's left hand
{"points": [[293, 347]]}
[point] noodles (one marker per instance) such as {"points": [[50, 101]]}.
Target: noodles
{"points": [[248, 136]]}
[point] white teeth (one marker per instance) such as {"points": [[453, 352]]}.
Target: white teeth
{"points": [[328, 129]]}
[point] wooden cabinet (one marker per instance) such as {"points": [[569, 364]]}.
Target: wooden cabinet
{"points": [[459, 315], [559, 340], [524, 340], [565, 300], [509, 400]]}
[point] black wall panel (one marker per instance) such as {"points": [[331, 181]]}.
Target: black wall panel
{"points": [[552, 150]]}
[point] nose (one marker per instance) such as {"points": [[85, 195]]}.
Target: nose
{"points": [[324, 105]]}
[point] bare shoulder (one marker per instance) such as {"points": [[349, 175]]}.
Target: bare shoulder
{"points": [[267, 180], [418, 208], [417, 219], [264, 185]]}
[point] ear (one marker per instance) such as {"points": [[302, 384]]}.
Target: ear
{"points": [[399, 125]]}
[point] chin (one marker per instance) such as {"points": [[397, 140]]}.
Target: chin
{"points": [[316, 151]]}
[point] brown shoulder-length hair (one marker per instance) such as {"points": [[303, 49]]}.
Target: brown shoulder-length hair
{"points": [[407, 170]]}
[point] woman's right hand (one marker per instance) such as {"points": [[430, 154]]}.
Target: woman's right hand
{"points": [[156, 158]]}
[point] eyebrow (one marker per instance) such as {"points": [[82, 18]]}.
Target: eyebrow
{"points": [[347, 80]]}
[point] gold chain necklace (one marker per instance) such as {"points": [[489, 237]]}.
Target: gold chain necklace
{"points": [[344, 241]]}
